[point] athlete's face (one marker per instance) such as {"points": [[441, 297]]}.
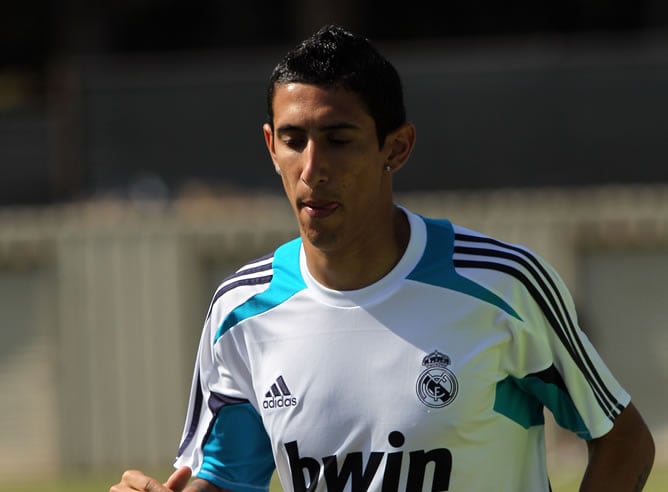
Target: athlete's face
{"points": [[324, 146]]}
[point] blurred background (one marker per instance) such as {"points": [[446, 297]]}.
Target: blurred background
{"points": [[134, 178]]}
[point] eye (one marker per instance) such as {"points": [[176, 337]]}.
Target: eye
{"points": [[338, 139], [293, 142]]}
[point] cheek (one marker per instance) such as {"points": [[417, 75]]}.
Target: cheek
{"points": [[290, 181], [290, 165], [361, 190], [366, 175]]}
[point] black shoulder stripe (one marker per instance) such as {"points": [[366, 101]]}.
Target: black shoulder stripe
{"points": [[228, 284], [554, 309], [605, 405], [567, 323], [260, 265], [233, 285], [196, 413], [562, 314]]}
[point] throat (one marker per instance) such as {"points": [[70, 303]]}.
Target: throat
{"points": [[364, 264]]}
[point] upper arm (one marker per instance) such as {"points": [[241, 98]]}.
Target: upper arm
{"points": [[622, 458], [629, 432]]}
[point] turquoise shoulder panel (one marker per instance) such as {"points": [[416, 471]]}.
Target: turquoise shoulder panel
{"points": [[436, 267], [286, 282]]}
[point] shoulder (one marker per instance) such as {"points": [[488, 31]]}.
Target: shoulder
{"points": [[445, 238], [254, 278], [243, 283], [474, 250], [519, 274]]}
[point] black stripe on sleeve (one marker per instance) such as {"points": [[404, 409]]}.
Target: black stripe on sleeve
{"points": [[233, 285], [215, 403], [553, 308], [196, 413]]}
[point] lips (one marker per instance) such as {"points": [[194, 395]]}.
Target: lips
{"points": [[319, 208]]}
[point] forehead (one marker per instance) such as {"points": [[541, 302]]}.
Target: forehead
{"points": [[296, 103]]}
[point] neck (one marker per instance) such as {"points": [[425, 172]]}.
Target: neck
{"points": [[365, 262]]}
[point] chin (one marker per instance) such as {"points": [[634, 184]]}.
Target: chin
{"points": [[322, 240]]}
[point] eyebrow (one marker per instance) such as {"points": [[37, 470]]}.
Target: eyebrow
{"points": [[325, 128]]}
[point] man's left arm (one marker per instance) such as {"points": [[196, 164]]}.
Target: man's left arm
{"points": [[621, 459]]}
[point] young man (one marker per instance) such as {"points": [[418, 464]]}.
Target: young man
{"points": [[382, 350]]}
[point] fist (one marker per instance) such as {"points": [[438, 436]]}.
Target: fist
{"points": [[138, 481]]}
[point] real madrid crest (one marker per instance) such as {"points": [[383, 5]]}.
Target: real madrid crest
{"points": [[437, 385]]}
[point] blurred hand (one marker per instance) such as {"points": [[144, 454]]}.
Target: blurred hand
{"points": [[138, 481]]}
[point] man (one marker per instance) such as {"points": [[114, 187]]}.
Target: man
{"points": [[382, 350]]}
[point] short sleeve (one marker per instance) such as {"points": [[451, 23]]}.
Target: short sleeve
{"points": [[224, 440], [553, 360], [237, 452]]}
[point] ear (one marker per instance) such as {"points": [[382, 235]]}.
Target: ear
{"points": [[269, 140], [399, 145]]}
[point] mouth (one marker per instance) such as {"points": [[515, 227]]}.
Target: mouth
{"points": [[318, 208]]}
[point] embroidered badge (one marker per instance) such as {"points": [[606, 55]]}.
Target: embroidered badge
{"points": [[437, 385]]}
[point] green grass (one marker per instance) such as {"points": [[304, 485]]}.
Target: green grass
{"points": [[658, 482]]}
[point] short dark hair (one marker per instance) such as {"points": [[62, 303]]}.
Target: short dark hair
{"points": [[337, 58]]}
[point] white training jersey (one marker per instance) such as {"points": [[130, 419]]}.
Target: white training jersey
{"points": [[434, 378]]}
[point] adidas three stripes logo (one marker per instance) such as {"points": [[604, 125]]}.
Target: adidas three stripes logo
{"points": [[279, 395]]}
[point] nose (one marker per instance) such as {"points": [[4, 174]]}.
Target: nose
{"points": [[315, 170]]}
